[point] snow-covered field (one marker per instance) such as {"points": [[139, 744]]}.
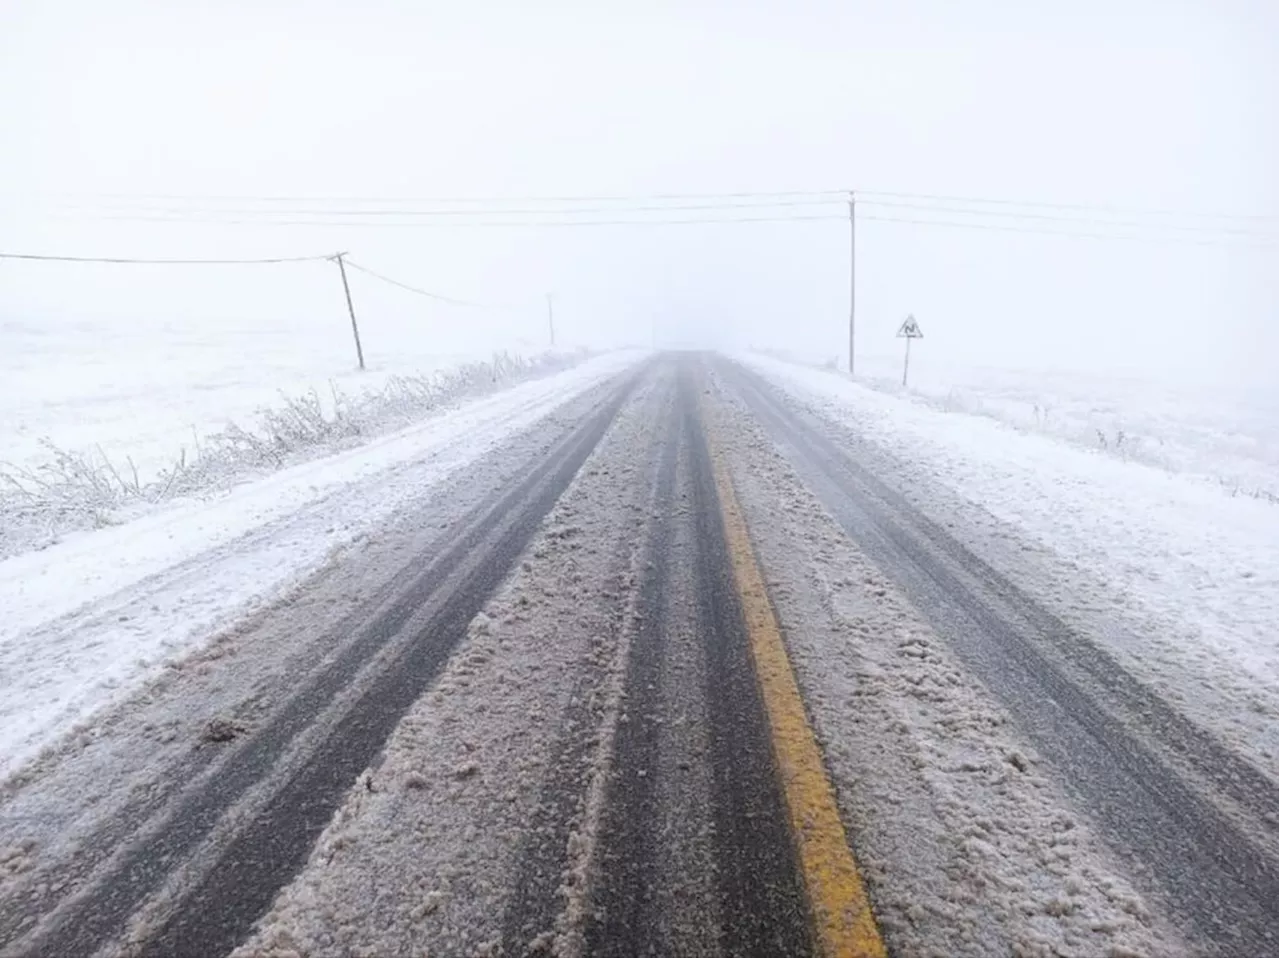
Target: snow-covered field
{"points": [[91, 616], [1195, 570], [146, 389], [100, 420], [1224, 434]]}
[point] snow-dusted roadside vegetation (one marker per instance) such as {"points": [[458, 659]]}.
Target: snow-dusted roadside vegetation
{"points": [[73, 489]]}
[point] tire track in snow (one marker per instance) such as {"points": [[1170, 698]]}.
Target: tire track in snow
{"points": [[108, 784], [1221, 884], [675, 872], [537, 899], [217, 906]]}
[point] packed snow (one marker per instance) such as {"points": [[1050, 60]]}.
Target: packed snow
{"points": [[970, 847], [92, 616], [1197, 565], [426, 850]]}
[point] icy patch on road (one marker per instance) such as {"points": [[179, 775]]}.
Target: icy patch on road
{"points": [[969, 849], [90, 619]]}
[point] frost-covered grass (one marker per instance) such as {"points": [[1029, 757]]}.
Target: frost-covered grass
{"points": [[1226, 435], [70, 489], [140, 385]]}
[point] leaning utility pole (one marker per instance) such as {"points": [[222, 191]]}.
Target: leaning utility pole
{"points": [[853, 274], [355, 330], [551, 320]]}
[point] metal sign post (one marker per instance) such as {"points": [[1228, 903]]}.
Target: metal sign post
{"points": [[909, 330], [853, 273]]}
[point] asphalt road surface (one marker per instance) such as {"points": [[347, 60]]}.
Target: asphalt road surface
{"points": [[552, 712]]}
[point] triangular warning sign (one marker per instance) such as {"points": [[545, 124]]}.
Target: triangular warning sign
{"points": [[910, 329]]}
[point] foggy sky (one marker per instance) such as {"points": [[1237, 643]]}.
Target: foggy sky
{"points": [[1134, 104]]}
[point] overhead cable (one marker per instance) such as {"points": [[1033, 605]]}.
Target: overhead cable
{"points": [[566, 216], [161, 262], [823, 195], [1247, 239], [1082, 207], [1240, 243], [445, 224], [421, 292], [490, 211], [1052, 218], [470, 200]]}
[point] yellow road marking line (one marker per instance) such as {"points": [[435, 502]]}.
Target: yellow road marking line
{"points": [[839, 907]]}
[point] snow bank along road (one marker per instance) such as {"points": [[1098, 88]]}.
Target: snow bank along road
{"points": [[676, 671]]}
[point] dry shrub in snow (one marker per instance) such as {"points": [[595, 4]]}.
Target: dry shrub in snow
{"points": [[77, 489]]}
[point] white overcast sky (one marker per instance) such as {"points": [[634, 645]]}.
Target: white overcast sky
{"points": [[1147, 104]]}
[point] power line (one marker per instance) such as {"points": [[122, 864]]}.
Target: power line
{"points": [[421, 292], [746, 203], [591, 198], [490, 211], [164, 262], [1082, 207], [1049, 217], [428, 224], [1260, 240], [453, 217], [1245, 240], [813, 195], [999, 227], [1213, 238]]}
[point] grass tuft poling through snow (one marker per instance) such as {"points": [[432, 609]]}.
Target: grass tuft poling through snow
{"points": [[73, 490]]}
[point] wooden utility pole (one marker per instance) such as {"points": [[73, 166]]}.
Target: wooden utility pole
{"points": [[346, 288], [551, 320], [853, 273]]}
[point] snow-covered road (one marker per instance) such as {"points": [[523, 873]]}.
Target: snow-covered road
{"points": [[1174, 576], [506, 689], [1158, 788], [89, 619]]}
